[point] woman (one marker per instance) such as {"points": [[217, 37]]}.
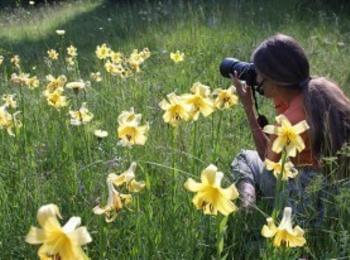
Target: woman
{"points": [[284, 75]]}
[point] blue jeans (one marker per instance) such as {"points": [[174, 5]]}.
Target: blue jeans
{"points": [[303, 193]]}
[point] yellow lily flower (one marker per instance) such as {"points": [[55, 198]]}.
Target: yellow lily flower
{"points": [[16, 61], [210, 196], [124, 177], [103, 52], [56, 99], [70, 62], [136, 59], [288, 136], [276, 167], [175, 109], [21, 79], [96, 76], [10, 101], [114, 69], [199, 101], [55, 83], [126, 73], [117, 57], [114, 204], [33, 82], [129, 116], [53, 54], [177, 56], [225, 98], [127, 177], [9, 121], [284, 234], [132, 133], [81, 116], [145, 53], [127, 199], [58, 242], [1, 59], [129, 131], [72, 51]]}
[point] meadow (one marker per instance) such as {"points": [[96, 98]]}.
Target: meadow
{"points": [[49, 160]]}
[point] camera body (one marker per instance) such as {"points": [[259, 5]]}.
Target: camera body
{"points": [[245, 71]]}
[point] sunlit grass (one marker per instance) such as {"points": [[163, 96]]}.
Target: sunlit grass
{"points": [[36, 23]]}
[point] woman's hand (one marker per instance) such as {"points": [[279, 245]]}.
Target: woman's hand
{"points": [[244, 91]]}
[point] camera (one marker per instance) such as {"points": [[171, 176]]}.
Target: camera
{"points": [[245, 71]]}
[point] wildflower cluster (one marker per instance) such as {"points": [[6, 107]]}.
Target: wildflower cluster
{"points": [[65, 242], [117, 64], [24, 80], [188, 107], [71, 58], [54, 91], [288, 142]]}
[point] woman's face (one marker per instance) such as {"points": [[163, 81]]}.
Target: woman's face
{"points": [[270, 89]]}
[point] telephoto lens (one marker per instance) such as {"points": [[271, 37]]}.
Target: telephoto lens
{"points": [[246, 71]]}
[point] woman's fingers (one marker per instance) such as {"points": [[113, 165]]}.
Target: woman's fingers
{"points": [[241, 88]]}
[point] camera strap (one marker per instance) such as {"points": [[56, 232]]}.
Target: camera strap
{"points": [[262, 120]]}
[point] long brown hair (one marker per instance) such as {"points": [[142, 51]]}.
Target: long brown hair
{"points": [[281, 59]]}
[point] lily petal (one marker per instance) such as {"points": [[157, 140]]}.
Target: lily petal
{"points": [[47, 211], [72, 224], [270, 229], [35, 236], [192, 185], [81, 236]]}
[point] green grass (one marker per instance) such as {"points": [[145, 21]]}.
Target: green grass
{"points": [[50, 161]]}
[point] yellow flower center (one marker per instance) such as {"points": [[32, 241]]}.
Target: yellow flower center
{"points": [[59, 242], [54, 98], [176, 111], [289, 134], [130, 133]]}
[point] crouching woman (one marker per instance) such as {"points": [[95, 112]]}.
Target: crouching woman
{"points": [[283, 72]]}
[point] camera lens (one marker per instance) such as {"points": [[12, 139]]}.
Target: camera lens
{"points": [[246, 71]]}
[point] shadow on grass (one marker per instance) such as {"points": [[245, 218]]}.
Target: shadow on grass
{"points": [[128, 23]]}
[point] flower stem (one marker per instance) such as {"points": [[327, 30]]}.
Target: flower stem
{"points": [[173, 139], [280, 195], [194, 146], [220, 235], [216, 141]]}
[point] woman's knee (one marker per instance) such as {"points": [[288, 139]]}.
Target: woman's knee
{"points": [[246, 164]]}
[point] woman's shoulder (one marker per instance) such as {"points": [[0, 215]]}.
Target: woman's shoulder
{"points": [[295, 112]]}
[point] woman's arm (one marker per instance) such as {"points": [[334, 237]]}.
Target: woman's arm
{"points": [[245, 94], [261, 140]]}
